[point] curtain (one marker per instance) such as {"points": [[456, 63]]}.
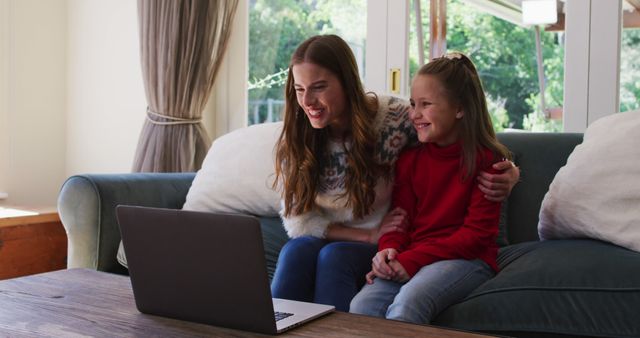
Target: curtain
{"points": [[182, 43]]}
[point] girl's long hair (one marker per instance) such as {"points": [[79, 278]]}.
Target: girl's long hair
{"points": [[458, 75], [301, 150]]}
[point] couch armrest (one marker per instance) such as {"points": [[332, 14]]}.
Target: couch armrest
{"points": [[86, 205]]}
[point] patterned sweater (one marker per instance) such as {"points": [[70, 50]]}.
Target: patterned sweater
{"points": [[394, 132]]}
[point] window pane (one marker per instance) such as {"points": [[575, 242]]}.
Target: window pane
{"points": [[276, 27], [414, 59], [505, 55], [630, 70]]}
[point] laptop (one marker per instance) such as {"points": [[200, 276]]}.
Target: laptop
{"points": [[205, 267]]}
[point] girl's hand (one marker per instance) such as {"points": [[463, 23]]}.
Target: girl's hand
{"points": [[401, 274], [387, 267], [395, 220], [497, 187], [380, 265]]}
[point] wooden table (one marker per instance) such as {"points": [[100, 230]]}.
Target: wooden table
{"points": [[82, 302], [32, 244]]}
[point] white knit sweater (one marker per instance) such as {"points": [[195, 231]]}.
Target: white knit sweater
{"points": [[394, 132]]}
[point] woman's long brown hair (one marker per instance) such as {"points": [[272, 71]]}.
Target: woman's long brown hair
{"points": [[459, 77], [301, 151]]}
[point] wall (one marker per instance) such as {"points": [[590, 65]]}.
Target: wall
{"points": [[227, 106], [32, 100], [4, 97], [72, 99], [105, 98]]}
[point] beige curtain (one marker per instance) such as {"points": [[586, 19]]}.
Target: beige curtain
{"points": [[181, 45]]}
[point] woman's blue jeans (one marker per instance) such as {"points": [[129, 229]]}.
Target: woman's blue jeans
{"points": [[432, 289], [315, 270]]}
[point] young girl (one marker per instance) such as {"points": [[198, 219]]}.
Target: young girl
{"points": [[448, 247]]}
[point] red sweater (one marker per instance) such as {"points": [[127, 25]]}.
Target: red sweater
{"points": [[448, 218]]}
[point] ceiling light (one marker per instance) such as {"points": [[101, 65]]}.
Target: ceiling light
{"points": [[539, 12]]}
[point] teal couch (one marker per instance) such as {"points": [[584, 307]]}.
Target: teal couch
{"points": [[556, 288]]}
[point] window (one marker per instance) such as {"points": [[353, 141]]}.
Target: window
{"points": [[277, 27], [504, 51], [491, 32], [630, 69]]}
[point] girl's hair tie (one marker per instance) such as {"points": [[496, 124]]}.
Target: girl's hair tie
{"points": [[452, 55]]}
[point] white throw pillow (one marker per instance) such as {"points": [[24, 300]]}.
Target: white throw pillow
{"points": [[237, 173], [597, 193]]}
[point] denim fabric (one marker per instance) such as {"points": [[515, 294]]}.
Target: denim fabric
{"points": [[433, 288], [315, 270]]}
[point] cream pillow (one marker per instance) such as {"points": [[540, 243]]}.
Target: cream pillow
{"points": [[237, 173], [597, 193]]}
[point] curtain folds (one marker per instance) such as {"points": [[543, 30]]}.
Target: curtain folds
{"points": [[182, 43]]}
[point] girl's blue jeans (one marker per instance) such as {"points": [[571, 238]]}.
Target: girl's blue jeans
{"points": [[315, 270], [432, 289]]}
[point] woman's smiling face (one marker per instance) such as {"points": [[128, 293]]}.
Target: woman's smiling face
{"points": [[433, 114], [321, 96]]}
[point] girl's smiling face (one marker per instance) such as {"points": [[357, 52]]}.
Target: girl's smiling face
{"points": [[434, 115], [321, 96]]}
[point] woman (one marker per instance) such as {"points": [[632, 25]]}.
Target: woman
{"points": [[334, 166]]}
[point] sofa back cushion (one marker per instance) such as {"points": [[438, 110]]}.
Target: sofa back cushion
{"points": [[539, 156]]}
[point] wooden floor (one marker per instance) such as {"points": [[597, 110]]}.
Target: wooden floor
{"points": [[32, 244]]}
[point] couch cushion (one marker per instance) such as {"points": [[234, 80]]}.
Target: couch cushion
{"points": [[573, 287], [273, 238], [597, 193]]}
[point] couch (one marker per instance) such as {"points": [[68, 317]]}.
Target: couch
{"points": [[551, 288]]}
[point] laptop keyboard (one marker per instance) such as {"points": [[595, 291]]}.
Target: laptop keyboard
{"points": [[282, 315]]}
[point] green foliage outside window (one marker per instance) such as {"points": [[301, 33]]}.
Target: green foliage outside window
{"points": [[630, 70], [505, 56], [503, 53], [277, 27]]}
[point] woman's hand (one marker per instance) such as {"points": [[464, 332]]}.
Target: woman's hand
{"points": [[384, 265], [497, 187], [394, 220]]}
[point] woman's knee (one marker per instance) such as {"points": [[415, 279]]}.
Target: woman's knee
{"points": [[332, 253], [294, 277], [346, 254], [301, 250]]}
